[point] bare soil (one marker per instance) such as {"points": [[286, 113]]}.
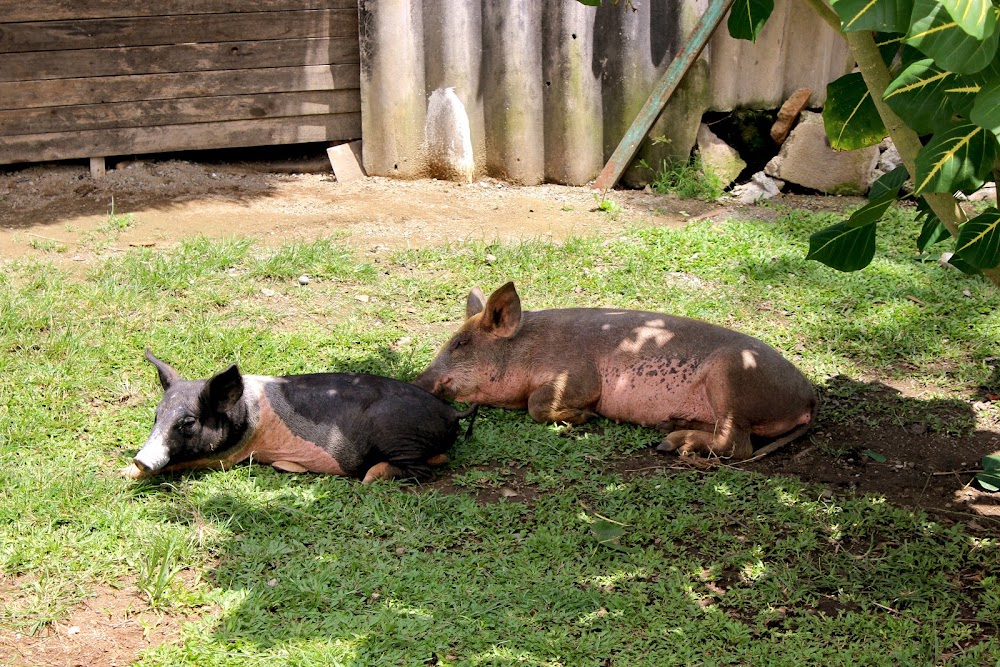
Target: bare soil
{"points": [[61, 206], [177, 199], [108, 629]]}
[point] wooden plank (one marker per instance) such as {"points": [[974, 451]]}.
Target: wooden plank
{"points": [[12, 11], [150, 31], [67, 92], [664, 88], [136, 141], [177, 111], [35, 65]]}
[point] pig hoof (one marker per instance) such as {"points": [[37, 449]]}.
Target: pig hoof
{"points": [[131, 471], [437, 460], [666, 447]]}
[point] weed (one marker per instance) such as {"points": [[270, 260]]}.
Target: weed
{"points": [[116, 223], [691, 180], [48, 245], [605, 205], [159, 565]]}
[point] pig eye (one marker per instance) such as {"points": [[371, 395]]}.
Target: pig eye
{"points": [[459, 343], [187, 425]]}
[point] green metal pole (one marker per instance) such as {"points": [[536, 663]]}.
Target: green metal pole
{"points": [[664, 88]]}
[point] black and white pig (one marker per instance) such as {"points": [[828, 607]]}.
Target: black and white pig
{"points": [[352, 424]]}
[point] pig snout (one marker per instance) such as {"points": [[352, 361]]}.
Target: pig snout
{"points": [[153, 456], [435, 383]]}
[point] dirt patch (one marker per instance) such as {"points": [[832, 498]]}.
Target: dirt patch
{"points": [[109, 628], [168, 201]]}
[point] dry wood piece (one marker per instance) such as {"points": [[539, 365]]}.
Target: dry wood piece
{"points": [[789, 113]]}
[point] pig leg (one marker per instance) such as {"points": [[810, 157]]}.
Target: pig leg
{"points": [[672, 425], [727, 436], [438, 460], [557, 401], [734, 443], [381, 470]]}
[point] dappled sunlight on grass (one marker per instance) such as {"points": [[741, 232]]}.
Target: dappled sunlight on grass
{"points": [[720, 566]]}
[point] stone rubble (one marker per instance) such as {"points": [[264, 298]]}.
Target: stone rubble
{"points": [[719, 157], [806, 159]]}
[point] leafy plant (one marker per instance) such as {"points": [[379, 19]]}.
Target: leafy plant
{"points": [[936, 67], [989, 478], [609, 206]]}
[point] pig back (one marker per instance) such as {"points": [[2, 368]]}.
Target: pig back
{"points": [[356, 417], [650, 365]]}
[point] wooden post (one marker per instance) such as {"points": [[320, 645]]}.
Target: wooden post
{"points": [[665, 87], [97, 169]]}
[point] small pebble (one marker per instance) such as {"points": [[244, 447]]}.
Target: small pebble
{"points": [[304, 280], [73, 631]]}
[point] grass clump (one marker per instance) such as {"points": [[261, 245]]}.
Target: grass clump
{"points": [[687, 180]]}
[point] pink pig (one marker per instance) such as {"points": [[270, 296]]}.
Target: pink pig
{"points": [[709, 387]]}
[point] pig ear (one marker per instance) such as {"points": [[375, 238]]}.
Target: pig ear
{"points": [[167, 374], [223, 390], [502, 314], [475, 302]]}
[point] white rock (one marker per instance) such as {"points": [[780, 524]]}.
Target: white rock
{"points": [[889, 157], [304, 280], [760, 186], [986, 193]]}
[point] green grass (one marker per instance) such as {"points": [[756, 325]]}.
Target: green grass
{"points": [[717, 568], [687, 180]]}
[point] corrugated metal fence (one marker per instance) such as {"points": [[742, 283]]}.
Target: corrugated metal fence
{"points": [[543, 91]]}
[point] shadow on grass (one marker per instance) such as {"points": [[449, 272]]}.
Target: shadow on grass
{"points": [[738, 567]]}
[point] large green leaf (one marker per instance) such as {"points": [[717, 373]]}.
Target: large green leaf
{"points": [[979, 240], [958, 158], [933, 31], [890, 182], [989, 478], [877, 15], [850, 245], [976, 17], [747, 18], [926, 96], [986, 108], [932, 230], [849, 116]]}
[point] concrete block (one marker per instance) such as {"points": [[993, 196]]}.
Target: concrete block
{"points": [[346, 161]]}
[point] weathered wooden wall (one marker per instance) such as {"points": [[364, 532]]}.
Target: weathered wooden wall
{"points": [[92, 78]]}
